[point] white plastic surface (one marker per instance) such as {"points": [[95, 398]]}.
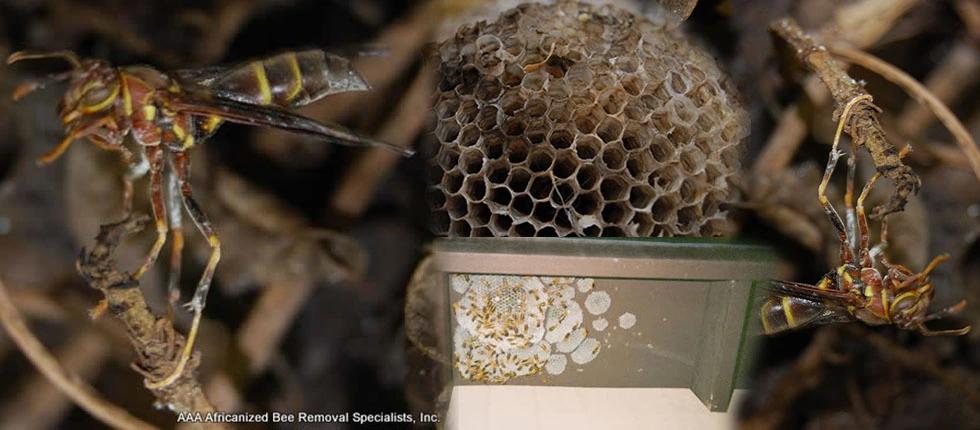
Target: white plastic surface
{"points": [[492, 407]]}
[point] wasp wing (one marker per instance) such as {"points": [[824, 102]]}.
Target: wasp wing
{"points": [[807, 291], [275, 117], [201, 76]]}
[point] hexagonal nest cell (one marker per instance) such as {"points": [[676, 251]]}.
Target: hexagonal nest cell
{"points": [[571, 119]]}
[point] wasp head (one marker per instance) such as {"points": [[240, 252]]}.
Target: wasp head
{"points": [[93, 84], [92, 87], [913, 295], [909, 308]]}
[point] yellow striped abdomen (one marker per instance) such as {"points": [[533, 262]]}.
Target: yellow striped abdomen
{"points": [[290, 79], [781, 313]]}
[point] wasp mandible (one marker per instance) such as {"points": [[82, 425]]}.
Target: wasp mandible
{"points": [[167, 113], [856, 290]]}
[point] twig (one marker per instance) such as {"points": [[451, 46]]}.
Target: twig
{"points": [[947, 81], [112, 27], [861, 24], [361, 181], [919, 93], [865, 22], [259, 336], [38, 403], [156, 342], [226, 21], [789, 133], [73, 387], [802, 376], [969, 388], [864, 127], [969, 12], [860, 410]]}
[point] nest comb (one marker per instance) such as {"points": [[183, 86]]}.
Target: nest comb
{"points": [[570, 119]]}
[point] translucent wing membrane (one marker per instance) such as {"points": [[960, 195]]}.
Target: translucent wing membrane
{"points": [[271, 116]]}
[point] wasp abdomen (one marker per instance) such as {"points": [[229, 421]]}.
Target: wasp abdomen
{"points": [[290, 79], [780, 313]]}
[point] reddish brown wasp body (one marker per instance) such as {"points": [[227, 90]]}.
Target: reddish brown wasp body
{"points": [[857, 290], [167, 114]]}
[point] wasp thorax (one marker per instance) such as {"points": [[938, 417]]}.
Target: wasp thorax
{"points": [[570, 119]]}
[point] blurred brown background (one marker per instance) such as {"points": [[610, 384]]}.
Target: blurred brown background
{"points": [[321, 240]]}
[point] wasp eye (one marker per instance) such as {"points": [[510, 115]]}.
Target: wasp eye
{"points": [[98, 97], [95, 95]]}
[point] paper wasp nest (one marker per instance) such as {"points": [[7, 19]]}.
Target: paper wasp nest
{"points": [[570, 119], [509, 326]]}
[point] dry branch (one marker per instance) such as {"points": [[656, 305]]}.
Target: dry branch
{"points": [[805, 374], [269, 321], [860, 24], [38, 403], [963, 385], [948, 81], [919, 93], [790, 131], [365, 175], [156, 342], [863, 125], [72, 386]]}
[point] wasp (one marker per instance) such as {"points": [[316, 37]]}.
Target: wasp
{"points": [[856, 290], [166, 114]]}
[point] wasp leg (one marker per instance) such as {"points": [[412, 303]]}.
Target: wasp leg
{"points": [[952, 310], [845, 250], [197, 303], [942, 313], [952, 332], [849, 200], [882, 246], [846, 254], [53, 154], [936, 261], [156, 159], [134, 171], [174, 209], [862, 221], [72, 136]]}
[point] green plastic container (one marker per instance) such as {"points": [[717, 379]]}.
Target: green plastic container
{"points": [[691, 300]]}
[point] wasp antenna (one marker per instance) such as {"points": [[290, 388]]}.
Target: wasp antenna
{"points": [[68, 56], [38, 84]]}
